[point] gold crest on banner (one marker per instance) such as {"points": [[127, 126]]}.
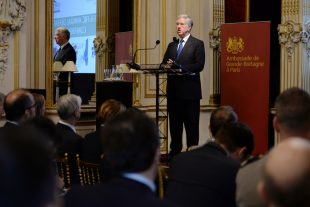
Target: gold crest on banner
{"points": [[235, 45]]}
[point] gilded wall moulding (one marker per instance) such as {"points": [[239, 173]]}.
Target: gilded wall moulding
{"points": [[12, 15], [214, 38], [305, 37], [100, 45], [289, 35]]}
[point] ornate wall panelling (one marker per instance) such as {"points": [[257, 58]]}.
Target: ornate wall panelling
{"points": [[12, 15], [214, 44], [292, 33]]}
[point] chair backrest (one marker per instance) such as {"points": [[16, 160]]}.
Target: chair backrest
{"points": [[89, 173], [63, 169], [162, 178]]}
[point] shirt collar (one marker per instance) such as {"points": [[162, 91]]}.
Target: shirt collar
{"points": [[62, 46], [69, 125], [141, 179], [186, 38], [12, 122]]}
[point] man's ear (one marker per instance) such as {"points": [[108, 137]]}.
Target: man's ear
{"points": [[275, 123]]}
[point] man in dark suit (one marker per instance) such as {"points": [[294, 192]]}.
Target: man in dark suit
{"points": [[19, 106], [184, 91], [131, 152], [69, 109], [65, 53], [206, 176]]}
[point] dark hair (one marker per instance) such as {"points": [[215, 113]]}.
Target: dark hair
{"points": [[39, 101], [220, 116], [234, 136], [27, 176], [293, 110], [130, 141], [46, 127], [16, 103]]}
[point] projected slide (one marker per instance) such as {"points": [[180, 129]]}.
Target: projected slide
{"points": [[80, 19]]}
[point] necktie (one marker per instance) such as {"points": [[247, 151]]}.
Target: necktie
{"points": [[57, 53], [180, 48]]}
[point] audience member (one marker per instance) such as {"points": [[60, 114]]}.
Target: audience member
{"points": [[206, 176], [69, 110], [19, 106], [40, 104], [92, 147], [286, 175], [292, 119], [131, 148], [26, 174]]}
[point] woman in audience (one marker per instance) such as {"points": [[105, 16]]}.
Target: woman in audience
{"points": [[92, 148], [40, 104]]}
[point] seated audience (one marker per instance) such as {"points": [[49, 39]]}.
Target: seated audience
{"points": [[19, 105], [292, 118], [131, 149], [27, 176], [69, 110], [286, 175], [92, 147], [206, 176], [40, 104]]}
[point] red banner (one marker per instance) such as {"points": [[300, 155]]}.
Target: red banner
{"points": [[244, 76]]}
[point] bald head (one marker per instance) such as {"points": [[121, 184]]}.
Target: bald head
{"points": [[286, 174], [19, 105]]}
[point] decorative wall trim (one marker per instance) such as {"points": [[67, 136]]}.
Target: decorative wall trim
{"points": [[214, 38], [12, 14], [289, 35], [305, 37]]}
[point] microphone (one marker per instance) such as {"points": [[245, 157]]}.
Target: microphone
{"points": [[133, 63], [175, 39]]}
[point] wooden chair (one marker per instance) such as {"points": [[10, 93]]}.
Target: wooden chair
{"points": [[63, 169], [89, 173], [162, 178]]}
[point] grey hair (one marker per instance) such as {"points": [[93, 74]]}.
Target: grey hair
{"points": [[64, 31], [187, 18], [67, 105]]}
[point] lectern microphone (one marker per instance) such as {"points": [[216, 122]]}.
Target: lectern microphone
{"points": [[133, 63]]}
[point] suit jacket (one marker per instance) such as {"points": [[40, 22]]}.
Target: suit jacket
{"points": [[66, 54], [247, 180], [71, 142], [202, 177], [191, 59], [92, 147], [118, 192]]}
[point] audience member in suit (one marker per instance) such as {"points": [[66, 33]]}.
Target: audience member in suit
{"points": [[69, 111], [92, 147], [131, 150], [40, 104], [206, 175], [2, 96], [184, 91], [19, 105], [47, 127], [286, 175], [292, 118], [65, 53], [27, 176]]}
